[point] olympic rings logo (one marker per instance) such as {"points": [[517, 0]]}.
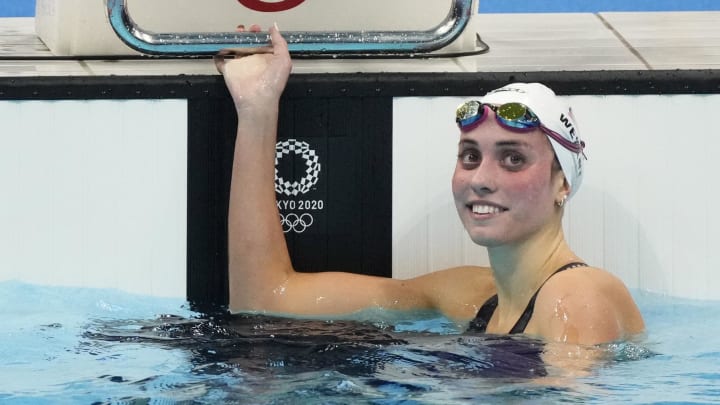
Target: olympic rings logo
{"points": [[270, 6], [312, 172], [293, 222]]}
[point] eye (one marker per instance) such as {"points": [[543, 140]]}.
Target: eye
{"points": [[469, 158], [513, 160]]}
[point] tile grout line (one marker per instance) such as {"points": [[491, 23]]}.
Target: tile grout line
{"points": [[624, 41]]}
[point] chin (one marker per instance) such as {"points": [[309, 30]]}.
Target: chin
{"points": [[487, 241]]}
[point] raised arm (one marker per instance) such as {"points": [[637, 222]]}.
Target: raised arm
{"points": [[258, 257], [261, 276]]}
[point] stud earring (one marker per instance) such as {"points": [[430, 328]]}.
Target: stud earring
{"points": [[562, 201]]}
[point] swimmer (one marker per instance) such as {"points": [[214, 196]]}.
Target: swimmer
{"points": [[519, 160]]}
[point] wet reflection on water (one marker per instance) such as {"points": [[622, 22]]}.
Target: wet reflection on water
{"points": [[277, 359]]}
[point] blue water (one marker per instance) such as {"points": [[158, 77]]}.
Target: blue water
{"points": [[26, 8], [70, 345]]}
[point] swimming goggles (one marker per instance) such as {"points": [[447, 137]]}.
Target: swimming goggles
{"points": [[514, 116]]}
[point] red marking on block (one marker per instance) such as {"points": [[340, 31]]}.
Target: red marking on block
{"points": [[270, 6]]}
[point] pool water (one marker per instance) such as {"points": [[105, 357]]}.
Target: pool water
{"points": [[70, 345]]}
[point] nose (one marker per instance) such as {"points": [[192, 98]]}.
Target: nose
{"points": [[484, 178]]}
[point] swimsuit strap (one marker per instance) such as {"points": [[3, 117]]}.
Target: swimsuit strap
{"points": [[483, 316], [525, 317], [480, 323]]}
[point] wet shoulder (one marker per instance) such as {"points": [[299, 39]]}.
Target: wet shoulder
{"points": [[586, 283], [585, 305]]}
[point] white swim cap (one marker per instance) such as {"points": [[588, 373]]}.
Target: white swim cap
{"points": [[555, 115]]}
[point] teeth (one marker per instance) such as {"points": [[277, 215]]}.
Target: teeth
{"points": [[485, 209]]}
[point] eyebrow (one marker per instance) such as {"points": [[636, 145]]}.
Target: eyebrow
{"points": [[499, 144], [502, 144]]}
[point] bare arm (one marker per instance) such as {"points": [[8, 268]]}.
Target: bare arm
{"points": [[261, 276], [257, 256]]}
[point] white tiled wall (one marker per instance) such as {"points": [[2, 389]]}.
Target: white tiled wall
{"points": [[646, 211], [93, 193]]}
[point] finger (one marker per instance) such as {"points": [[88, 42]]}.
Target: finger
{"points": [[219, 60], [278, 42], [233, 53]]}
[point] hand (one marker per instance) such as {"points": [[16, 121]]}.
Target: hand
{"points": [[256, 77]]}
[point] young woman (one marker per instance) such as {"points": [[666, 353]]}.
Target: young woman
{"points": [[519, 159]]}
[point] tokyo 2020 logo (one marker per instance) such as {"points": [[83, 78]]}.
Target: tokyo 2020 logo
{"points": [[295, 215], [270, 6]]}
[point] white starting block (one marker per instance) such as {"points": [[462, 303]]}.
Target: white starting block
{"points": [[193, 27], [196, 27]]}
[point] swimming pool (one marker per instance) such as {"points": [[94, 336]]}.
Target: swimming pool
{"points": [[73, 345]]}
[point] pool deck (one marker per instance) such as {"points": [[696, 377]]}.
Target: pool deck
{"points": [[518, 43]]}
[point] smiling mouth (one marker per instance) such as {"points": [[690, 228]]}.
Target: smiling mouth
{"points": [[486, 209]]}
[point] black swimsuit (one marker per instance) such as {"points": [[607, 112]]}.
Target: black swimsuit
{"points": [[479, 324]]}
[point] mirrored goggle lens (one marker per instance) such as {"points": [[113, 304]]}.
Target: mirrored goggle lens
{"points": [[517, 115], [469, 113]]}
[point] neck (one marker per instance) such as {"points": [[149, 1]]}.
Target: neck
{"points": [[520, 269]]}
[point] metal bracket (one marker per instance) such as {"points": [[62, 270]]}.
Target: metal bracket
{"points": [[303, 43]]}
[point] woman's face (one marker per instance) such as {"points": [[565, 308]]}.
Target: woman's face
{"points": [[504, 185]]}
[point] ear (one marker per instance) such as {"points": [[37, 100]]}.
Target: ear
{"points": [[562, 188]]}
